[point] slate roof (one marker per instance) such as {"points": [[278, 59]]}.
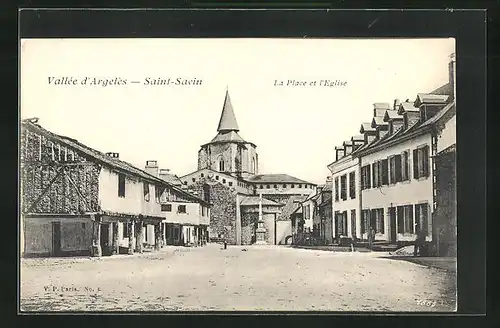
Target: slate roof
{"points": [[228, 136], [391, 115], [358, 137], [254, 201], [227, 120], [407, 107], [292, 205], [276, 178], [378, 121], [382, 105], [432, 98], [170, 178], [366, 127], [106, 160], [446, 89]]}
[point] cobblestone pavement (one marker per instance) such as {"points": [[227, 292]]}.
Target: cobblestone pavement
{"points": [[254, 278]]}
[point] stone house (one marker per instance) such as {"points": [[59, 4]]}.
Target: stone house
{"points": [[77, 200], [228, 177]]}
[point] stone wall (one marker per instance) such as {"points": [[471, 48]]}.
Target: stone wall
{"points": [[223, 210], [248, 223]]}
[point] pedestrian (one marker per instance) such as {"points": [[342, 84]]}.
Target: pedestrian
{"points": [[419, 243], [371, 237]]}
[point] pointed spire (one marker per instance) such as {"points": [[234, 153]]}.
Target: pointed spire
{"points": [[227, 119]]}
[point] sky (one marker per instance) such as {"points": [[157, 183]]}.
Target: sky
{"points": [[295, 128]]}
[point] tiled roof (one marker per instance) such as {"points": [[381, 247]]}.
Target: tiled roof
{"points": [[227, 120], [170, 178], [105, 159], [255, 200], [291, 206], [276, 178]]}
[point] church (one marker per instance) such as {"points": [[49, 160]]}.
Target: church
{"points": [[246, 205]]}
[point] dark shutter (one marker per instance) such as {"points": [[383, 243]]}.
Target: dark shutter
{"points": [[415, 163], [412, 225], [425, 161], [401, 223], [374, 178], [368, 177], [397, 160]]}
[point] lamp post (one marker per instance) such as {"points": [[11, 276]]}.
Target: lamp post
{"points": [[260, 231]]}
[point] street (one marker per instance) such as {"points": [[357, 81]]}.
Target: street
{"points": [[253, 278]]}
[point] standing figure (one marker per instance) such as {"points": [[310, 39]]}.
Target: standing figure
{"points": [[419, 243], [371, 237]]}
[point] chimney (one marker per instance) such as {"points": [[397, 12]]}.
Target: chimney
{"points": [[452, 67], [113, 155], [152, 168], [397, 103]]}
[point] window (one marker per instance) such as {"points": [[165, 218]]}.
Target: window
{"points": [[398, 169], [377, 220], [405, 219], [268, 186], [343, 187], [292, 186], [202, 175], [307, 212], [83, 226], [300, 186], [261, 187], [421, 162], [385, 172], [352, 185], [203, 211], [230, 183], [216, 177], [337, 189], [124, 230], [206, 193], [146, 191], [166, 207], [121, 185], [275, 186], [221, 165], [194, 179], [223, 180], [405, 166], [158, 192], [421, 217], [284, 186], [365, 177], [181, 209]]}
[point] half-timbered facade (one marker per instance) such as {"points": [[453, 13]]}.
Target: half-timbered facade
{"points": [[77, 200]]}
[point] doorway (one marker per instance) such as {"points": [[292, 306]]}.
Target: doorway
{"points": [[106, 250], [392, 221], [56, 238]]}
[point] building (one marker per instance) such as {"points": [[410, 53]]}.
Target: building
{"points": [[400, 173], [77, 200], [228, 177]]}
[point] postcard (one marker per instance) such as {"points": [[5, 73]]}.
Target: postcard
{"points": [[242, 174]]}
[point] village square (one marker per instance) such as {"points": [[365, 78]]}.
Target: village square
{"points": [[379, 234]]}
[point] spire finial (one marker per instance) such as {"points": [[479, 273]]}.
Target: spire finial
{"points": [[227, 119]]}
